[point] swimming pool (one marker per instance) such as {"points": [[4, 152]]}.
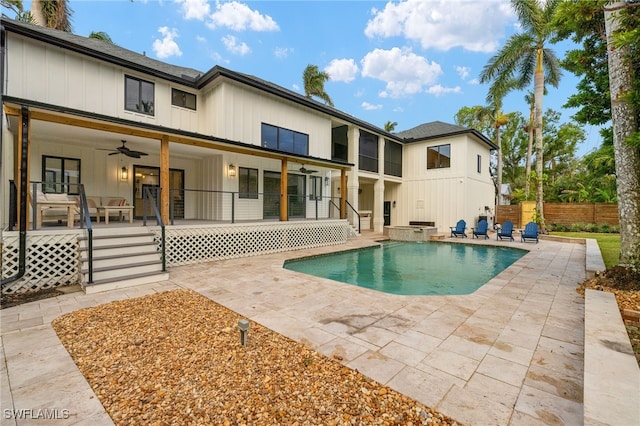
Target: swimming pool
{"points": [[407, 268]]}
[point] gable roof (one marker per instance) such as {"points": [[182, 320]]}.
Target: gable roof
{"points": [[438, 129], [190, 77]]}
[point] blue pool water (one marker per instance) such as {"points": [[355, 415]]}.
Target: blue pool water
{"points": [[408, 268]]}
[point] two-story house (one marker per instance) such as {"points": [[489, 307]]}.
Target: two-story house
{"points": [[223, 164]]}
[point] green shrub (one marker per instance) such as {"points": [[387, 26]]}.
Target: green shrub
{"points": [[577, 227], [591, 227], [605, 228]]}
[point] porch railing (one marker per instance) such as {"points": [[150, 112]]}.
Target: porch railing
{"points": [[149, 199], [356, 214]]}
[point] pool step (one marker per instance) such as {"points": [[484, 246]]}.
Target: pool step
{"points": [[437, 237]]}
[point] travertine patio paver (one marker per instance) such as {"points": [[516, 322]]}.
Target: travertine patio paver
{"points": [[510, 353]]}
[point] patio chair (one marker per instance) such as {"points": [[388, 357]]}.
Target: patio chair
{"points": [[506, 231], [459, 229], [481, 230], [530, 232]]}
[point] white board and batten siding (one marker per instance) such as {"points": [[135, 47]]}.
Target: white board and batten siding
{"points": [[448, 194]]}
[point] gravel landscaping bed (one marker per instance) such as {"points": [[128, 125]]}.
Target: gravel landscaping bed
{"points": [[176, 358]]}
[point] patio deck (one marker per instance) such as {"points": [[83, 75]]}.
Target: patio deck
{"points": [[509, 354]]}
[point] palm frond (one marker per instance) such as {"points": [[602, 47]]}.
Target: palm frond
{"points": [[529, 14], [553, 71]]}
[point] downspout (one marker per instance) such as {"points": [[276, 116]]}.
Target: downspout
{"points": [[24, 185]]}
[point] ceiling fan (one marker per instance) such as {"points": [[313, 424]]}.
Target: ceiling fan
{"points": [[128, 152], [306, 171]]}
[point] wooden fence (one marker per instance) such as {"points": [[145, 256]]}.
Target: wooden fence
{"points": [[560, 213]]}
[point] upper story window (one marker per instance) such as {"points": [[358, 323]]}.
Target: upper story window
{"points": [[439, 157], [183, 99], [479, 163], [284, 139], [392, 158], [139, 95], [60, 175], [339, 143], [368, 157], [248, 183]]}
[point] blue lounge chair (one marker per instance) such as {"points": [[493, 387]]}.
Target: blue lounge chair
{"points": [[506, 231], [481, 230], [459, 229], [530, 232]]}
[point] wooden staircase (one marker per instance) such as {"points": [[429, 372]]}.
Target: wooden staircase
{"points": [[122, 257]]}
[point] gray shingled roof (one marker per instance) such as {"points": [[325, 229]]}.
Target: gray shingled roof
{"points": [[433, 129], [437, 129], [108, 51]]}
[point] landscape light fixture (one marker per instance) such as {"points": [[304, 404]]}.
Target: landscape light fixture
{"points": [[243, 326]]}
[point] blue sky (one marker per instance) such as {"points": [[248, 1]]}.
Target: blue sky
{"points": [[409, 62]]}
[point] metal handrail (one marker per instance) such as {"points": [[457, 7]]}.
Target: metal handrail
{"points": [[354, 210], [85, 220], [147, 196]]}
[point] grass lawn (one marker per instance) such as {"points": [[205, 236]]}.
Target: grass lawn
{"points": [[609, 244]]}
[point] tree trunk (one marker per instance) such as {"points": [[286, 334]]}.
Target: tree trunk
{"points": [[627, 157], [499, 165], [37, 14], [528, 166], [538, 91]]}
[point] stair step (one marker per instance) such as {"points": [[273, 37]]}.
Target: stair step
{"points": [[120, 255], [437, 237], [111, 236], [116, 246], [122, 266], [124, 282]]}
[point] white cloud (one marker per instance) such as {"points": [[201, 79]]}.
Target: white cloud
{"points": [[403, 71], [167, 47], [201, 39], [342, 70], [296, 87], [476, 26], [439, 90], [370, 107], [238, 17], [232, 45], [474, 81], [194, 9], [282, 52], [463, 72]]}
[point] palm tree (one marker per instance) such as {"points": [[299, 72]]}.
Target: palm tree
{"points": [[524, 58], [529, 128], [314, 80], [55, 14], [390, 126], [100, 35]]}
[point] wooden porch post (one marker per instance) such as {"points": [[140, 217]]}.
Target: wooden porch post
{"points": [[164, 179], [284, 199], [23, 169], [343, 194]]}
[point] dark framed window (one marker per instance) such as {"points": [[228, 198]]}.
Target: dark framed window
{"points": [[138, 95], [60, 175], [183, 99], [439, 157], [368, 156], [339, 143], [479, 163], [284, 139], [248, 183], [315, 192], [392, 158]]}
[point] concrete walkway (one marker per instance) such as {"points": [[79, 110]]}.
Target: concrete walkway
{"points": [[509, 354]]}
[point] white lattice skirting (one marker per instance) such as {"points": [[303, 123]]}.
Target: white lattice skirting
{"points": [[53, 257], [196, 244]]}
